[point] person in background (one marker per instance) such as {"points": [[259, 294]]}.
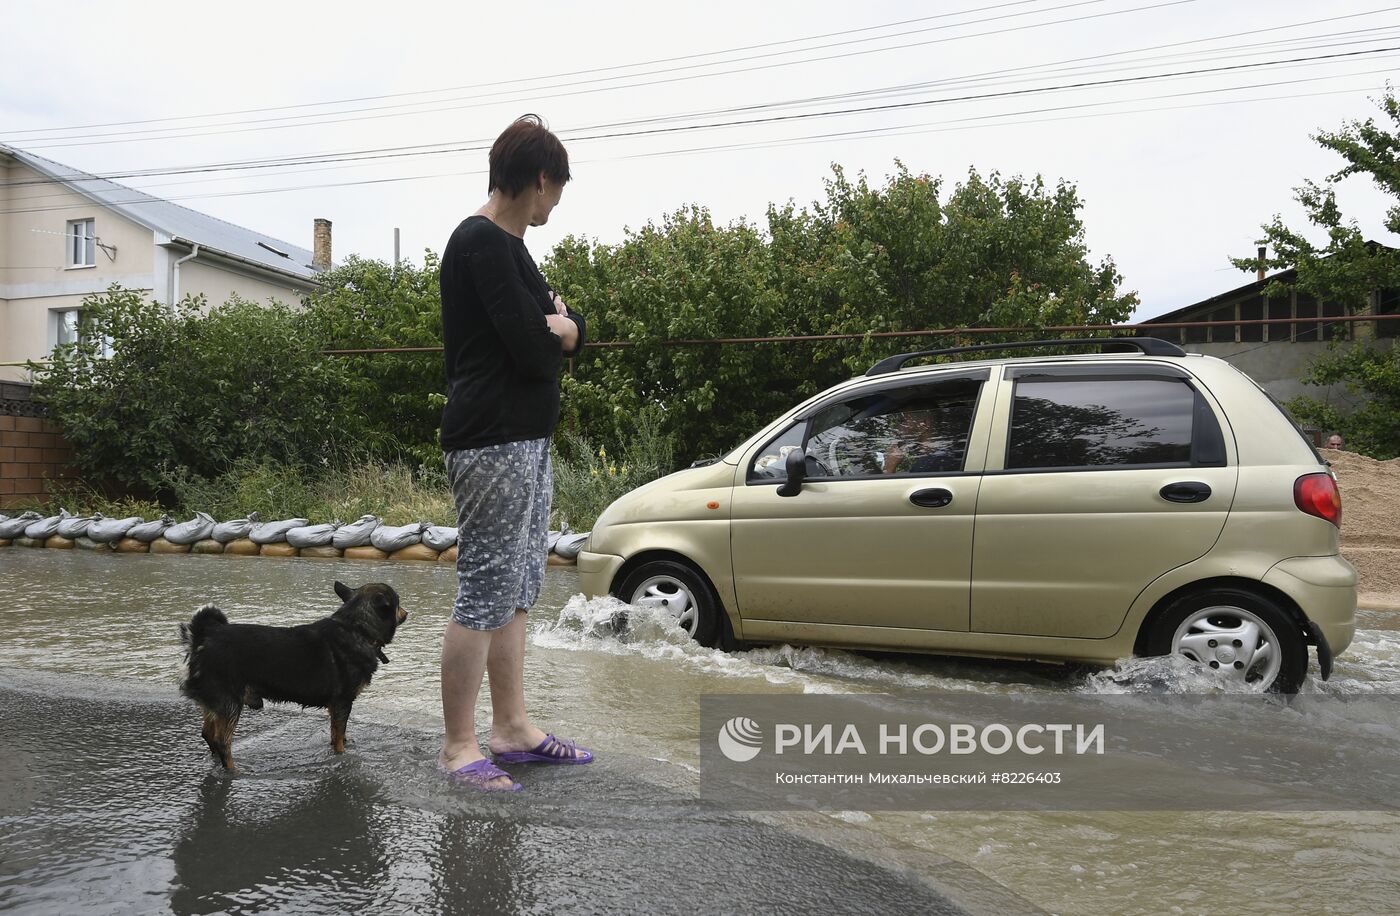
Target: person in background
{"points": [[1334, 440], [505, 336]]}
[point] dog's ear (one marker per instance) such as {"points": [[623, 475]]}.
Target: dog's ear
{"points": [[344, 591]]}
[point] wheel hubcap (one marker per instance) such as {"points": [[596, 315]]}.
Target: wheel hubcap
{"points": [[670, 594], [1232, 641]]}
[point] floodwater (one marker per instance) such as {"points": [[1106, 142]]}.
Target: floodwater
{"points": [[109, 802]]}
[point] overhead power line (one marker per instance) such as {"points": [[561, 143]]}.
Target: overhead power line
{"points": [[959, 124], [332, 117], [593, 132]]}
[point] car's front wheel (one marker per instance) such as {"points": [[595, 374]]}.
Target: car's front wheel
{"points": [[1242, 637], [678, 590]]}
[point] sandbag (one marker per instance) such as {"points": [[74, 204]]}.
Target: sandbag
{"points": [[365, 553], [242, 547], [76, 526], [196, 529], [14, 527], [418, 552], [208, 545], [149, 531], [131, 545], [276, 532], [46, 527], [234, 529], [449, 555], [440, 537], [161, 545], [569, 545], [390, 539], [111, 530], [280, 549], [355, 534], [312, 535], [318, 553], [54, 542]]}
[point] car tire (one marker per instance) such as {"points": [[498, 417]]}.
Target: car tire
{"points": [[1243, 635], [679, 589]]}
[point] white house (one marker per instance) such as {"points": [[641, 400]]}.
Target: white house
{"points": [[65, 234]]}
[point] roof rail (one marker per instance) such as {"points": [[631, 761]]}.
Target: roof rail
{"points": [[1149, 346]]}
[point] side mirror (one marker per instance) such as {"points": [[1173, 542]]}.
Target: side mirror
{"points": [[796, 466]]}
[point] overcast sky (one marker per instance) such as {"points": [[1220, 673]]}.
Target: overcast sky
{"points": [[1176, 173]]}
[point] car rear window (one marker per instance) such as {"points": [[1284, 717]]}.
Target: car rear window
{"points": [[1077, 423]]}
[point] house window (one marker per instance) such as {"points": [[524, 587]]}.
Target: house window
{"points": [[65, 327], [82, 243]]}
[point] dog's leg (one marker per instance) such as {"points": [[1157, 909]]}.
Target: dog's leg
{"points": [[218, 733], [340, 715]]}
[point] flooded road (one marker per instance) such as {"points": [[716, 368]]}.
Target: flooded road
{"points": [[88, 681]]}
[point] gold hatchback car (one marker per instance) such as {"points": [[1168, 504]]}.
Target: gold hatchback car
{"points": [[1084, 508]]}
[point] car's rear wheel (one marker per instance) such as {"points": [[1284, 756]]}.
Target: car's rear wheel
{"points": [[1242, 637], [678, 590]]}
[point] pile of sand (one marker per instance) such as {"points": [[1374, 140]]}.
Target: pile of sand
{"points": [[1371, 523]]}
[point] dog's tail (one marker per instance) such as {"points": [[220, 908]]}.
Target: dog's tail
{"points": [[207, 617], [192, 635]]}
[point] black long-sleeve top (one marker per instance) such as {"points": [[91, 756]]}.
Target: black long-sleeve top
{"points": [[502, 360]]}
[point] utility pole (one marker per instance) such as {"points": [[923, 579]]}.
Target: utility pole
{"points": [[396, 246]]}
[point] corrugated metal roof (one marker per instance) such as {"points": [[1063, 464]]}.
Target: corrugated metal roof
{"points": [[174, 220]]}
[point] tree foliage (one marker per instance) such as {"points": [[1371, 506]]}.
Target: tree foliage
{"points": [[148, 388], [366, 304], [900, 256], [1347, 268]]}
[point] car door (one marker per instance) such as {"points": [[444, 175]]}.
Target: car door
{"points": [[1099, 479], [880, 533]]}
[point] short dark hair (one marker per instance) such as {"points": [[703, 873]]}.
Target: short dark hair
{"points": [[522, 151]]}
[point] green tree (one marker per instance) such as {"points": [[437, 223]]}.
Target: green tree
{"points": [[148, 389], [866, 259], [1348, 269], [683, 279], [996, 252], [367, 304]]}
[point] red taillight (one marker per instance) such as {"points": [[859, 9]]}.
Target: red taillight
{"points": [[1317, 494]]}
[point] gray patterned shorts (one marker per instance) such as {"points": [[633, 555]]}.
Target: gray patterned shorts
{"points": [[502, 494]]}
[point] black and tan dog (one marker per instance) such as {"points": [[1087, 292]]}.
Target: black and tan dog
{"points": [[323, 664]]}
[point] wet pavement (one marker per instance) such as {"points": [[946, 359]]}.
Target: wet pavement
{"points": [[109, 803], [104, 807]]}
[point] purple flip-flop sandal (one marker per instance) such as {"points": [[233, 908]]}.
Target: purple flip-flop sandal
{"points": [[480, 773], [550, 750]]}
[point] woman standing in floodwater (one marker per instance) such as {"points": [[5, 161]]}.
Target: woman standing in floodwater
{"points": [[505, 335]]}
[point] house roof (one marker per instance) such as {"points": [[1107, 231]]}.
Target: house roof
{"points": [[173, 220], [1253, 288]]}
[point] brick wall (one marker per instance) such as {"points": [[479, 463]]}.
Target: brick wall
{"points": [[32, 448]]}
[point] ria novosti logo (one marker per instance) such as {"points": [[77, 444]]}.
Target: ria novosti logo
{"points": [[740, 739]]}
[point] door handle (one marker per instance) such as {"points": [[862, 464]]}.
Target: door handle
{"points": [[1191, 491], [932, 498]]}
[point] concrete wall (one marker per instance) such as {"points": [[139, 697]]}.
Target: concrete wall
{"points": [[1278, 367]]}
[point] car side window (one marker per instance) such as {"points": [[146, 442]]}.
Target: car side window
{"points": [[771, 462], [1101, 422], [918, 429]]}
